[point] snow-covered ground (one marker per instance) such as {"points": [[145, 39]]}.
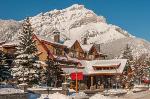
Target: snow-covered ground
{"points": [[115, 91], [54, 96], [130, 95], [141, 86], [99, 96], [45, 88], [138, 88], [80, 95], [10, 91], [77, 96]]}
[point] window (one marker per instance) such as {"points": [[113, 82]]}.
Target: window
{"points": [[58, 51], [91, 56]]}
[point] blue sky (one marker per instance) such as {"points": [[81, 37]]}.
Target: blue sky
{"points": [[131, 15]]}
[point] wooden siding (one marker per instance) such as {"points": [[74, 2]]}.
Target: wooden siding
{"points": [[76, 51]]}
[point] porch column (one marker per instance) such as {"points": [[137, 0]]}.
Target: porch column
{"points": [[91, 80]]}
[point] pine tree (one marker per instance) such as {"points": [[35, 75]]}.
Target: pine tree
{"points": [[127, 78], [127, 54], [141, 68], [53, 73], [26, 70], [5, 66]]}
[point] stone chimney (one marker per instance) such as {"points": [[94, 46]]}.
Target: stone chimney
{"points": [[85, 41], [56, 36]]}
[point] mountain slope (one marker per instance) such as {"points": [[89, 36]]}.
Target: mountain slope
{"points": [[9, 30], [77, 22]]}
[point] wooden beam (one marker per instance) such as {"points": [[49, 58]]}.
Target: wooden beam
{"points": [[92, 81]]}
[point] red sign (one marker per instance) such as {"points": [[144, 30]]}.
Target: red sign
{"points": [[146, 81], [78, 75]]}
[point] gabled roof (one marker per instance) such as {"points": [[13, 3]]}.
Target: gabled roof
{"points": [[13, 43], [44, 46], [69, 43], [89, 70], [48, 40], [87, 48]]}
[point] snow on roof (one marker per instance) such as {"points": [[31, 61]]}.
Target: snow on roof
{"points": [[89, 66], [107, 63], [50, 40], [44, 38], [60, 57], [69, 43], [87, 47], [13, 43], [72, 70]]}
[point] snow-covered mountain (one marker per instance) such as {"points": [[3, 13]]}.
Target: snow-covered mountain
{"points": [[77, 22], [9, 30]]}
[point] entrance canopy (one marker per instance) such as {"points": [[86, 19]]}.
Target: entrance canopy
{"points": [[105, 67], [100, 67]]}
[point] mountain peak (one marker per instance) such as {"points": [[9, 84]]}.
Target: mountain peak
{"points": [[75, 6], [77, 22]]}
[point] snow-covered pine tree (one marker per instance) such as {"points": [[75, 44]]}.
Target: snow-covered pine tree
{"points": [[5, 66], [26, 69], [54, 71], [127, 78], [127, 54], [141, 68]]}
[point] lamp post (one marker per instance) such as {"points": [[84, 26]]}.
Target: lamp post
{"points": [[76, 80], [116, 78]]}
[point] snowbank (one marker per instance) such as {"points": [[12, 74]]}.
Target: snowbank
{"points": [[10, 91], [44, 88], [80, 95], [117, 91], [54, 96], [99, 96], [141, 86]]}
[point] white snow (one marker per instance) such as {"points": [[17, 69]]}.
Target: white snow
{"points": [[87, 48], [54, 96], [115, 91], [13, 43], [80, 95], [140, 86], [23, 84], [44, 88], [10, 91], [76, 22], [69, 43], [99, 96]]}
